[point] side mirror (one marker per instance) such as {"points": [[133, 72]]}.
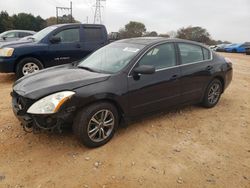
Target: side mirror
{"points": [[144, 69], [4, 37], [55, 39]]}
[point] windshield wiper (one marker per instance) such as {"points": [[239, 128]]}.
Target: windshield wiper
{"points": [[87, 68], [94, 70]]}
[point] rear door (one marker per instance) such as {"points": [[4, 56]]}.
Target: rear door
{"points": [[196, 69], [160, 90], [70, 47], [94, 37]]}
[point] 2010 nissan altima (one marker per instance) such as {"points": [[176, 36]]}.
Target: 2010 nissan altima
{"points": [[121, 81]]}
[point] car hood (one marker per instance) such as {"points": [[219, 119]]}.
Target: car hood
{"points": [[56, 79], [14, 43]]}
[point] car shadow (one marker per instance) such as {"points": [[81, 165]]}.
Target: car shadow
{"points": [[68, 140]]}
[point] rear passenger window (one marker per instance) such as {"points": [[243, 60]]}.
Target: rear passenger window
{"points": [[160, 57], [206, 54], [69, 35], [92, 34], [190, 53], [22, 34]]}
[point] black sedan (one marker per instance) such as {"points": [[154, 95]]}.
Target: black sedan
{"points": [[119, 82]]}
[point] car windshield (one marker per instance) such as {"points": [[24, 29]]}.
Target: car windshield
{"points": [[111, 58], [4, 33], [41, 34]]}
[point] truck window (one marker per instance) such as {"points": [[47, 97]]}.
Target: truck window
{"points": [[92, 34], [69, 35]]}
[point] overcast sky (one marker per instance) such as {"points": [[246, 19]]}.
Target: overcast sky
{"points": [[224, 19]]}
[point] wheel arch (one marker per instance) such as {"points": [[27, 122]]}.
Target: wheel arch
{"points": [[112, 101], [27, 56], [204, 101], [221, 80]]}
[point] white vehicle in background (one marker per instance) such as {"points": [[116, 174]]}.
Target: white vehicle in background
{"points": [[213, 47], [14, 35]]}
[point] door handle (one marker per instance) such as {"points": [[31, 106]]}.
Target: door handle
{"points": [[209, 68], [174, 77], [78, 46]]}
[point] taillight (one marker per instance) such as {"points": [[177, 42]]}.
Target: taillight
{"points": [[228, 60]]}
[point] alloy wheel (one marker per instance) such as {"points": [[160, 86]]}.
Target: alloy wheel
{"points": [[101, 125], [214, 93]]}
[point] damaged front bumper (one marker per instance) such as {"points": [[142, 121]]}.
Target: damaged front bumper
{"points": [[39, 123]]}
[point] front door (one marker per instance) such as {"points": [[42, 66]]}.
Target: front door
{"points": [[148, 93], [68, 50]]}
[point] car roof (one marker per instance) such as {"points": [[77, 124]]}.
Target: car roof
{"points": [[20, 31], [155, 40], [76, 24]]}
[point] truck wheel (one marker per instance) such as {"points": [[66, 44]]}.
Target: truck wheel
{"points": [[212, 94], [95, 125], [27, 66]]}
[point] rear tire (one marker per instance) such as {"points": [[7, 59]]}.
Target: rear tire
{"points": [[212, 94], [27, 66], [95, 125]]}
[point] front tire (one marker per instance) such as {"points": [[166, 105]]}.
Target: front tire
{"points": [[95, 125], [27, 66], [212, 94]]}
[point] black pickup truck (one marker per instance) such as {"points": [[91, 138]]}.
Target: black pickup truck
{"points": [[52, 46]]}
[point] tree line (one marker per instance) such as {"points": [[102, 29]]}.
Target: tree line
{"points": [[132, 29], [25, 21], [198, 34]]}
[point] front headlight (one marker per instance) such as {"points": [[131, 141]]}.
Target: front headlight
{"points": [[6, 52], [50, 104]]}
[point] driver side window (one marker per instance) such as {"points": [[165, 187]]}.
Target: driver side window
{"points": [[162, 56], [69, 35]]}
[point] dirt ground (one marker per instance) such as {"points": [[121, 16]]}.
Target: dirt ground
{"points": [[189, 147]]}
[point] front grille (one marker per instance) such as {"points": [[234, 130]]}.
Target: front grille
{"points": [[20, 103]]}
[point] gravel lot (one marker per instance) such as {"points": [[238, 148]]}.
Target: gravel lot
{"points": [[188, 147]]}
